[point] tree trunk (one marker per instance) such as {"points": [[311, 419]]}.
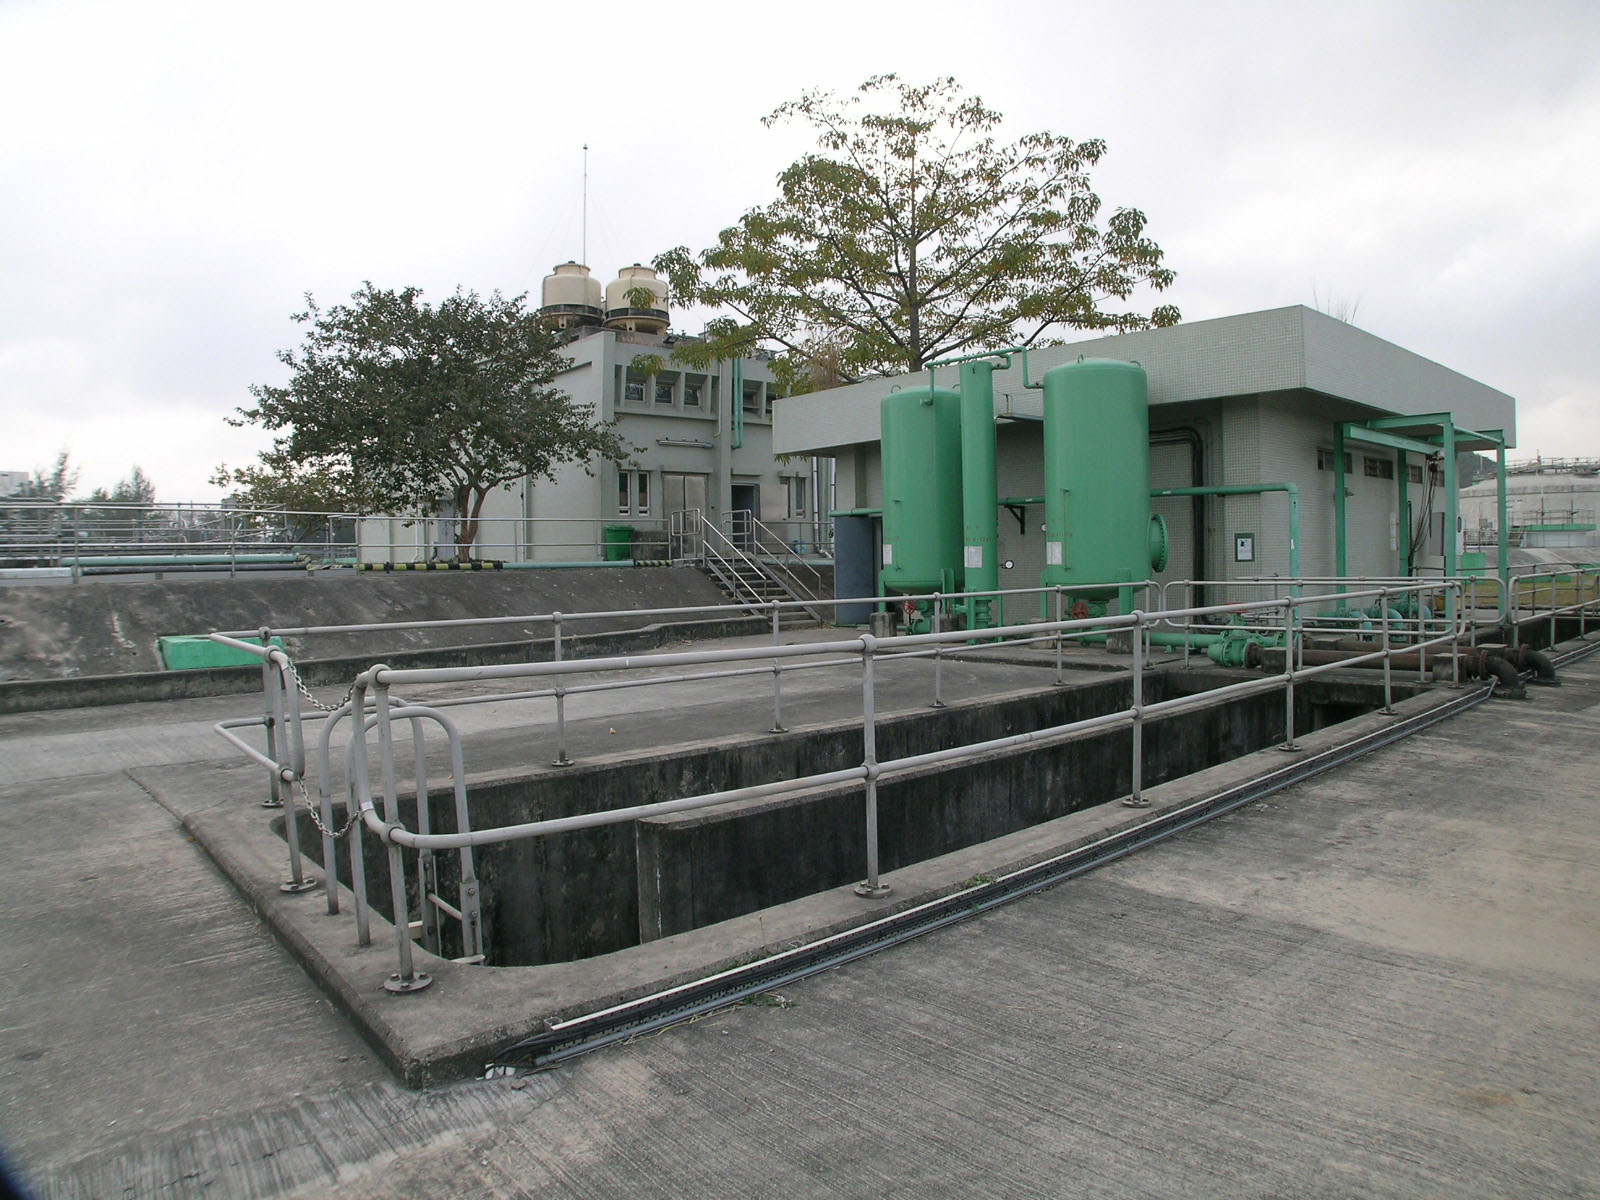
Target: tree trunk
{"points": [[468, 535]]}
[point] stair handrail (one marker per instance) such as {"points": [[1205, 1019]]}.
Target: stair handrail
{"points": [[721, 557], [764, 539], [725, 567]]}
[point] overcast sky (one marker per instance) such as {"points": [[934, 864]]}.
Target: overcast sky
{"points": [[174, 177]]}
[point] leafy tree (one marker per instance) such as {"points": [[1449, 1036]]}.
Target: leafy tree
{"points": [[283, 499], [126, 513], [913, 234], [277, 482], [420, 406], [53, 484], [135, 489]]}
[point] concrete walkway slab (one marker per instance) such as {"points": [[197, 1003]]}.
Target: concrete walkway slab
{"points": [[1377, 983]]}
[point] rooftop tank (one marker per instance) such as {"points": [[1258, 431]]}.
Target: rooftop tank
{"points": [[922, 491], [621, 313], [570, 297], [1098, 527]]}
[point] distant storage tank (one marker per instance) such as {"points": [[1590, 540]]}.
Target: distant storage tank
{"points": [[921, 491], [570, 298], [621, 310], [1098, 527]]}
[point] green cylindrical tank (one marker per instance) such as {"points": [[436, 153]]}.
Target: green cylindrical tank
{"points": [[921, 490], [1096, 475]]}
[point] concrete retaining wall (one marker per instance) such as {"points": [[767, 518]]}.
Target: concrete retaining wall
{"points": [[590, 892]]}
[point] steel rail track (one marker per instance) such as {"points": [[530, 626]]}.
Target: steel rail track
{"points": [[563, 1040]]}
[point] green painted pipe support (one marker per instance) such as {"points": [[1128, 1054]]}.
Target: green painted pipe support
{"points": [[1252, 489]]}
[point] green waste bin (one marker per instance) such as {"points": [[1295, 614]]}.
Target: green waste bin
{"points": [[618, 543]]}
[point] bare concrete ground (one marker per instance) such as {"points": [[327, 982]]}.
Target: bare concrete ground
{"points": [[1378, 983]]}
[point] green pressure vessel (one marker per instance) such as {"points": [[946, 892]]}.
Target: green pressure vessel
{"points": [[921, 490], [1096, 475]]}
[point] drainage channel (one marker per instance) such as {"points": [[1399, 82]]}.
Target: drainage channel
{"points": [[568, 1039]]}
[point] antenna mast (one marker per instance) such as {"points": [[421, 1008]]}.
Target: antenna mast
{"points": [[585, 256]]}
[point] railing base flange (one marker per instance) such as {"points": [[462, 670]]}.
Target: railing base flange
{"points": [[399, 986]]}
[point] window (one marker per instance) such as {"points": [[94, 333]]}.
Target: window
{"points": [[1377, 468], [663, 392], [798, 486], [633, 391], [1325, 460], [752, 398], [1414, 472], [691, 395], [633, 493]]}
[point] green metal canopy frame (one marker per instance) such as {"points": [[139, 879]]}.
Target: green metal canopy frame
{"points": [[1426, 434]]}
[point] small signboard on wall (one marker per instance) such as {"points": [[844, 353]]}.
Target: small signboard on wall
{"points": [[1244, 547]]}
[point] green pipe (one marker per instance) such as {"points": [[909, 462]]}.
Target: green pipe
{"points": [[979, 502], [1251, 489], [1504, 534], [1341, 549], [1452, 562], [736, 398], [1402, 520], [182, 560], [1197, 641]]}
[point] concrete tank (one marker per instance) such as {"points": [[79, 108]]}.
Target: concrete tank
{"points": [[922, 491], [1096, 476]]}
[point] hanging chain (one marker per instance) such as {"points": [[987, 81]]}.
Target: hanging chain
{"points": [[316, 819], [306, 692]]}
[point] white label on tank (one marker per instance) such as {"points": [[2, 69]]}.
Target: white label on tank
{"points": [[974, 558], [1052, 554], [888, 555], [1394, 530], [1461, 536]]}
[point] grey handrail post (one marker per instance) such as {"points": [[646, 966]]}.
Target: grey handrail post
{"points": [[561, 759], [1424, 612], [1288, 674], [1388, 693], [1472, 612], [938, 655], [1060, 641], [275, 792], [358, 859], [777, 676], [1136, 792], [288, 739], [1458, 594], [72, 532], [427, 867], [871, 888], [1514, 608], [407, 978], [330, 863], [1188, 622]]}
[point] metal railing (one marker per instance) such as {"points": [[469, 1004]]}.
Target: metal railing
{"points": [[375, 696], [1565, 593], [77, 539], [780, 556]]}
